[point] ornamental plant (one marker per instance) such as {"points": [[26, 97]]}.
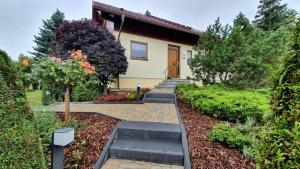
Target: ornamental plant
{"points": [[104, 51], [64, 73]]}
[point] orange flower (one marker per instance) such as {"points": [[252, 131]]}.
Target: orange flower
{"points": [[25, 62], [78, 54], [88, 71]]}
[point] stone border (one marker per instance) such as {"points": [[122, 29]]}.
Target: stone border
{"points": [[104, 153], [184, 142]]}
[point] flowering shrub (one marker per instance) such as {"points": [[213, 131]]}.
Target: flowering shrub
{"points": [[131, 95], [112, 97], [57, 72], [145, 90]]}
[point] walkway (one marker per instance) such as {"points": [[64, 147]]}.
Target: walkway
{"points": [[147, 112], [131, 164]]}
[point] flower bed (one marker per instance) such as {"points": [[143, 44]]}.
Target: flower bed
{"points": [[91, 134], [122, 97]]}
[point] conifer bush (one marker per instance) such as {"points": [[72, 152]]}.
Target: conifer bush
{"points": [[279, 146], [19, 141], [225, 103]]}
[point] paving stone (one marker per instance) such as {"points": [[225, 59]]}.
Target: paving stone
{"points": [[148, 112], [131, 164]]}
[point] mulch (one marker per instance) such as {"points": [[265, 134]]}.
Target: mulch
{"points": [[206, 154], [89, 140]]}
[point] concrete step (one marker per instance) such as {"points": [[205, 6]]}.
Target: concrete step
{"points": [[149, 131], [160, 95], [174, 82], [166, 85], [158, 100], [157, 151]]}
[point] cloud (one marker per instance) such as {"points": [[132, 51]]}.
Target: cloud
{"points": [[21, 19]]}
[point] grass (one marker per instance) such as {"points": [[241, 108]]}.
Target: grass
{"points": [[34, 98]]}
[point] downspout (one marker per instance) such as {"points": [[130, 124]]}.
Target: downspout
{"points": [[120, 30]]}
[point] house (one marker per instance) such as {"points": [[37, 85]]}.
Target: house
{"points": [[156, 48]]}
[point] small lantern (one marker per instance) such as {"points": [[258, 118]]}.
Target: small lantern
{"points": [[60, 138]]}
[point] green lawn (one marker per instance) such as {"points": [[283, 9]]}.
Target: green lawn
{"points": [[34, 98]]}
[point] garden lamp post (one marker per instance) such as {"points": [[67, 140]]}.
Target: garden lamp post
{"points": [[60, 138], [138, 90]]}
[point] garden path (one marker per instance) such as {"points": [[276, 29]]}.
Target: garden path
{"points": [[147, 112]]}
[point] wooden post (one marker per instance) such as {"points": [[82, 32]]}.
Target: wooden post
{"points": [[67, 105]]}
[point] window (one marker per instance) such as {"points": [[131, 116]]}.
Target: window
{"points": [[139, 50], [189, 57], [109, 25]]}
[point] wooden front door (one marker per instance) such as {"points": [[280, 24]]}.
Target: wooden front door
{"points": [[173, 61]]}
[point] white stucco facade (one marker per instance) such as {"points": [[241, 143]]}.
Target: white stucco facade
{"points": [[152, 71]]}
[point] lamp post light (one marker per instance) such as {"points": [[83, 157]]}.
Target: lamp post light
{"points": [[138, 90], [60, 138]]}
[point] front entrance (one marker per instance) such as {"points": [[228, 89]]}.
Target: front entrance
{"points": [[173, 61]]}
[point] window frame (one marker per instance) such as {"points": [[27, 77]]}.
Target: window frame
{"points": [[187, 59], [138, 58]]}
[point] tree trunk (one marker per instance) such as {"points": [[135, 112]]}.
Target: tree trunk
{"points": [[105, 89], [67, 105]]}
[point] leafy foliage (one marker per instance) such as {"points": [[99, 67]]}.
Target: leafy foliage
{"points": [[86, 91], [105, 53], [279, 146], [45, 124], [241, 56], [19, 142], [231, 136], [46, 35], [68, 73], [225, 103]]}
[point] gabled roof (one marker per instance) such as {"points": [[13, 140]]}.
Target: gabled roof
{"points": [[145, 18]]}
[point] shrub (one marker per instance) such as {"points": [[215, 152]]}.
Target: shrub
{"points": [[231, 136], [104, 51], [279, 146], [19, 142], [46, 123], [131, 95], [112, 97], [225, 103], [145, 90], [87, 91]]}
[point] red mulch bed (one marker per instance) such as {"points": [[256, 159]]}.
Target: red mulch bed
{"points": [[89, 141], [205, 153]]}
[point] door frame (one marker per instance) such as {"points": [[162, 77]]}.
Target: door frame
{"points": [[175, 47]]}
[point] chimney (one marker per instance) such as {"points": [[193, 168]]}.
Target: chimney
{"points": [[147, 13]]}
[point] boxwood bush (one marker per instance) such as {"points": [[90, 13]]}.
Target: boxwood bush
{"points": [[225, 103]]}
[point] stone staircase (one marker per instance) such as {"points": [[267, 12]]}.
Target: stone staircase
{"points": [[171, 83], [148, 141], [152, 97]]}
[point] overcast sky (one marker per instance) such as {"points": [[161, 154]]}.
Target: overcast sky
{"points": [[21, 19]]}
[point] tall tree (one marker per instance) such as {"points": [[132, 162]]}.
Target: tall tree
{"points": [[279, 146], [104, 51], [272, 14], [206, 64], [47, 32]]}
